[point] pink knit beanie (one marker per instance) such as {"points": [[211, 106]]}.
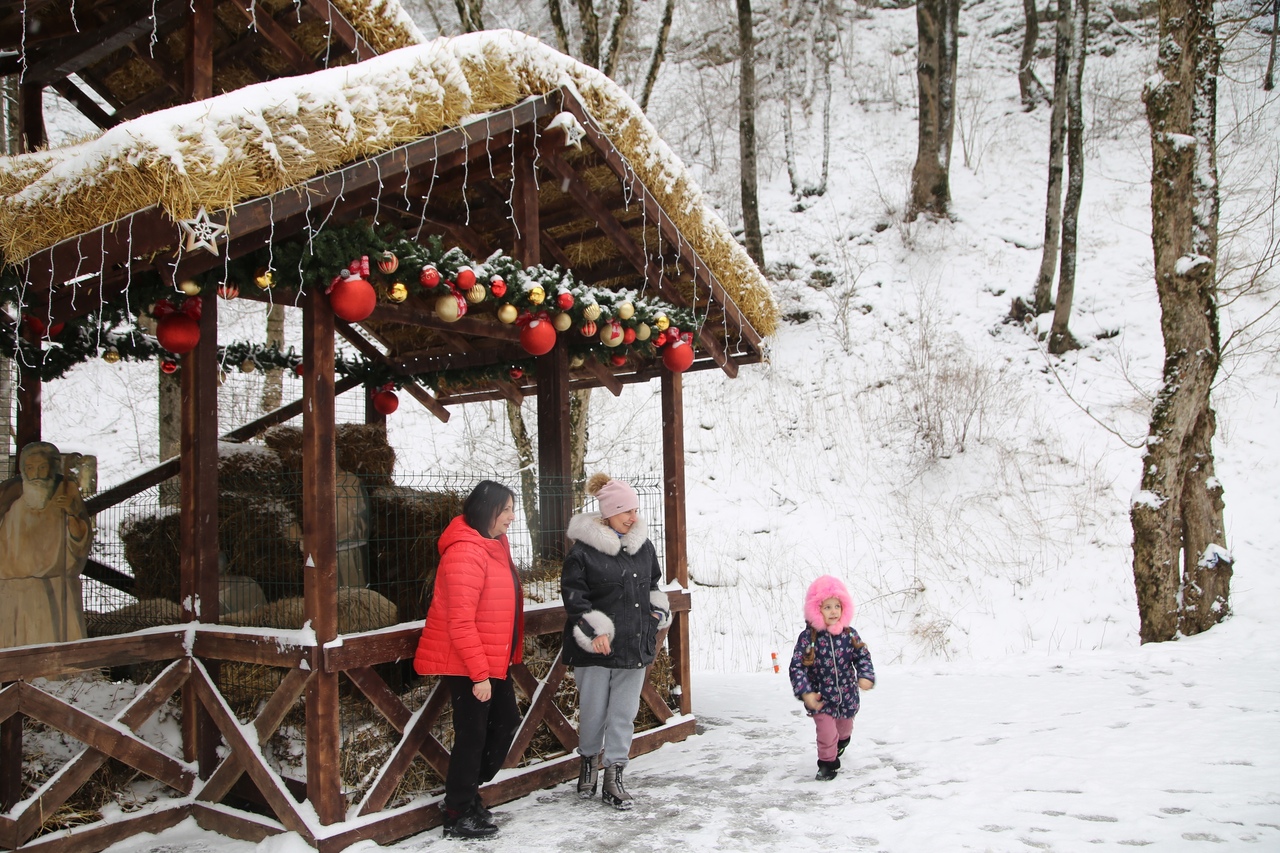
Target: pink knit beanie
{"points": [[614, 496]]}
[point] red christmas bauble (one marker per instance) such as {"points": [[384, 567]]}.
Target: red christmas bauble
{"points": [[353, 299], [300, 369], [56, 329], [178, 333], [678, 357], [35, 324], [386, 402], [538, 337], [388, 263], [588, 328], [629, 336], [517, 373], [565, 301], [618, 360], [228, 291], [497, 287], [430, 276], [168, 366], [466, 278]]}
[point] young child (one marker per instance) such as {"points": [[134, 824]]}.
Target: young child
{"points": [[828, 667]]}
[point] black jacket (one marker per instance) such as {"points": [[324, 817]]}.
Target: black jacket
{"points": [[610, 586]]}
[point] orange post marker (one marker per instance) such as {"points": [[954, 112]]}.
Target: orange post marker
{"points": [[775, 661]]}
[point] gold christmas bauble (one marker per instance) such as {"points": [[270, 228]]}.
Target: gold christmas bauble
{"points": [[591, 312], [449, 309], [508, 314], [476, 294], [536, 295], [577, 361], [643, 331], [191, 287], [111, 355], [626, 311], [561, 322], [264, 278], [661, 322], [248, 366], [611, 334], [398, 292]]}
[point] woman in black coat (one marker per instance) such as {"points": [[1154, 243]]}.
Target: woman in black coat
{"points": [[614, 611]]}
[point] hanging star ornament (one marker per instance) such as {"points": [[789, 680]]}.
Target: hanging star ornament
{"points": [[202, 233]]}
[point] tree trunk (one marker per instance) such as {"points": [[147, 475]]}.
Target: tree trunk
{"points": [[659, 51], [273, 383], [1181, 566], [557, 24], [788, 133], [579, 411], [169, 401], [1057, 127], [1029, 86], [469, 14], [937, 26], [1060, 337], [1269, 79], [12, 133], [613, 43], [527, 457], [589, 52], [747, 135]]}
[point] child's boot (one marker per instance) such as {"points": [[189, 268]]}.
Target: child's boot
{"points": [[614, 794], [827, 770], [587, 776], [840, 746]]}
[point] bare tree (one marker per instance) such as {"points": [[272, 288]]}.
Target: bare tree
{"points": [[937, 26], [589, 21], [273, 381], [747, 135], [1057, 134], [11, 130], [1060, 337], [1181, 566], [613, 42], [1029, 86], [1269, 79], [557, 24], [817, 39], [469, 14], [659, 52]]}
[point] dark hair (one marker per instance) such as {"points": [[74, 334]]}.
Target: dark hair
{"points": [[482, 506]]}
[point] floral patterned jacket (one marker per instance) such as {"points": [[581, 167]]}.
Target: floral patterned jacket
{"points": [[838, 662]]}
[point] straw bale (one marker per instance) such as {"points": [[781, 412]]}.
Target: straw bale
{"points": [[403, 557], [260, 535], [151, 548], [361, 449], [590, 252], [148, 613], [357, 610]]}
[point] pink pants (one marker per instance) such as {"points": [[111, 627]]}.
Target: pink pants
{"points": [[830, 731]]}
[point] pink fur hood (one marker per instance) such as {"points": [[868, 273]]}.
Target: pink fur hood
{"points": [[819, 591]]}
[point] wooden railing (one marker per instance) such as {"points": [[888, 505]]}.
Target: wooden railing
{"points": [[194, 650]]}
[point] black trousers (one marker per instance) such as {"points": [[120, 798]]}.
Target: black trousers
{"points": [[482, 735]]}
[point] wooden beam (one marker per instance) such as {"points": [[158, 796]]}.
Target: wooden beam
{"points": [[98, 42], [32, 136], [87, 106], [411, 387], [320, 545], [259, 18], [606, 377]]}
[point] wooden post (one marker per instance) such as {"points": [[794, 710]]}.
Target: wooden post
{"points": [[371, 415], [320, 547], [31, 118], [199, 64], [555, 475], [677, 546], [10, 761], [198, 522]]}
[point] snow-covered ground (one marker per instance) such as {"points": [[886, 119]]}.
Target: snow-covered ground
{"points": [[972, 490]]}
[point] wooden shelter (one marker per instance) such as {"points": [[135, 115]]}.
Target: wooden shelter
{"points": [[488, 142]]}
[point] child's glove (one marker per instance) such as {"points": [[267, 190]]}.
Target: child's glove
{"points": [[865, 684], [812, 701]]}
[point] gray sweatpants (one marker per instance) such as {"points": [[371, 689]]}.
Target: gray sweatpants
{"points": [[608, 700]]}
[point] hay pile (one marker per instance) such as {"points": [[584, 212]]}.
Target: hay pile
{"points": [[288, 131], [362, 449], [403, 557]]}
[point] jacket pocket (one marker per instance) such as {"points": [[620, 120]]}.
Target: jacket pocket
{"points": [[649, 639]]}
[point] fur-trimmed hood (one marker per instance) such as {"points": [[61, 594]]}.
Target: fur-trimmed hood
{"points": [[591, 530], [820, 590]]}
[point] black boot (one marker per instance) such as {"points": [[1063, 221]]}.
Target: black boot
{"points": [[468, 824], [827, 770], [587, 774], [478, 806], [614, 794], [840, 746]]}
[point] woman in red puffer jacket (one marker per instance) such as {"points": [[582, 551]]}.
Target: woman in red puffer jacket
{"points": [[474, 632]]}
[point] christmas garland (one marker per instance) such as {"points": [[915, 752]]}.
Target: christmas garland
{"points": [[611, 326]]}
